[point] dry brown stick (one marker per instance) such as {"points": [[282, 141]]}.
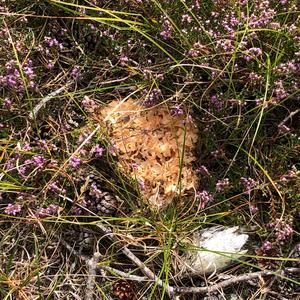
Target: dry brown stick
{"points": [[90, 283], [124, 274], [289, 117], [223, 284], [131, 256], [91, 265], [184, 290], [44, 100], [206, 289], [146, 270], [137, 261], [96, 258]]}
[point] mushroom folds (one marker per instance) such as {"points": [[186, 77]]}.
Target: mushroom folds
{"points": [[154, 147]]}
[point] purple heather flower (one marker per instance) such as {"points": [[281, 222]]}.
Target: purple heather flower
{"points": [[248, 184], [204, 198], [259, 101], [255, 51], [204, 171], [10, 65], [31, 84], [11, 81], [88, 104], [266, 246], [252, 52], [222, 185], [112, 149], [22, 170], [13, 209], [38, 160], [82, 137], [288, 67], [74, 161], [123, 60], [7, 104], [283, 228], [247, 58], [76, 210], [51, 210], [141, 184], [147, 74], [50, 65], [16, 73], [29, 72], [279, 91], [75, 72], [98, 150], [291, 174], [177, 111], [51, 42], [253, 209], [193, 53], [26, 147], [56, 188], [167, 29], [226, 45], [216, 102], [95, 191], [274, 25], [27, 162], [186, 18], [134, 165], [254, 77], [152, 98]]}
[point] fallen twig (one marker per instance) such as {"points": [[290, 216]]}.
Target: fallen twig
{"points": [[90, 284], [173, 290], [43, 102], [289, 117], [231, 281]]}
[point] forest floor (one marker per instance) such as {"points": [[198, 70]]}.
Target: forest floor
{"points": [[126, 126]]}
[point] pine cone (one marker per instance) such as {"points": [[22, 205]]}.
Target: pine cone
{"points": [[123, 290], [95, 199], [90, 41], [107, 205], [286, 288]]}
